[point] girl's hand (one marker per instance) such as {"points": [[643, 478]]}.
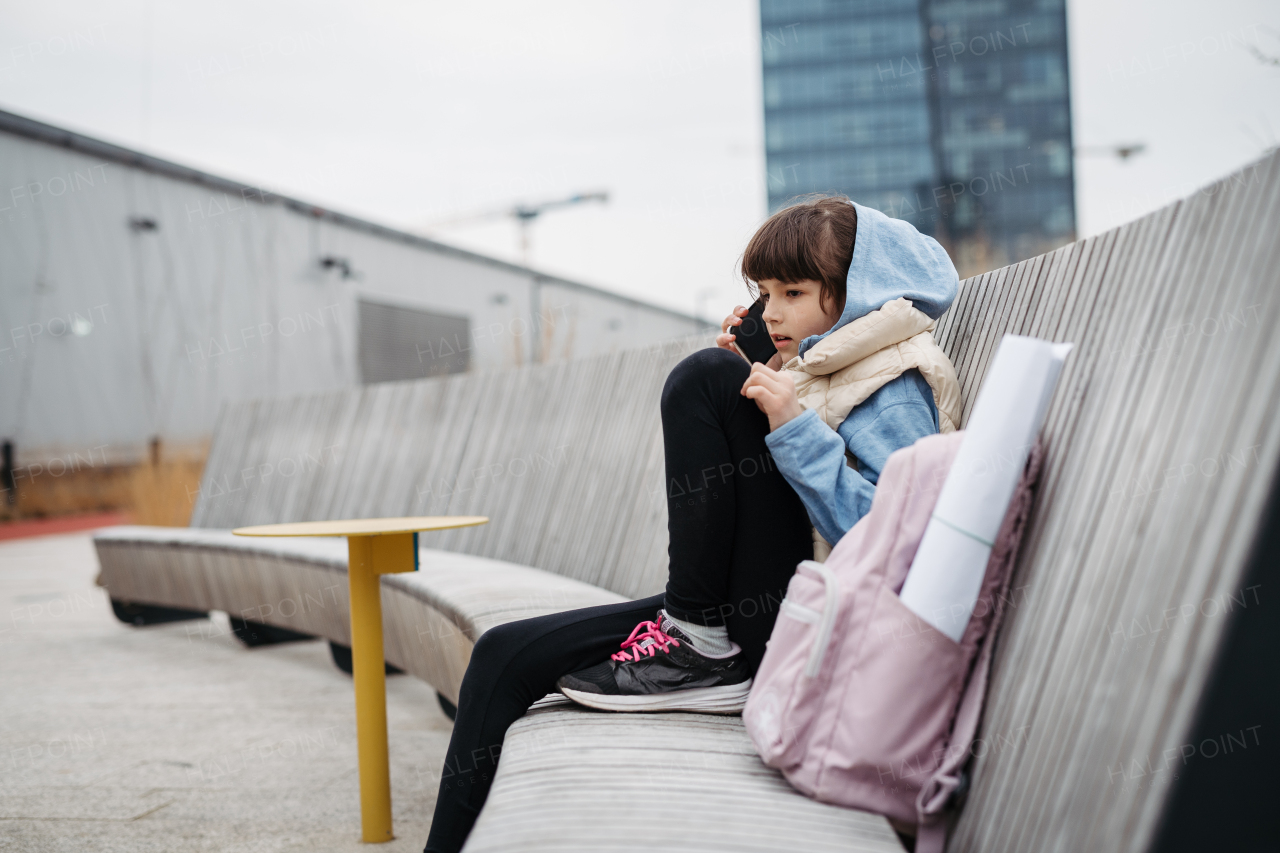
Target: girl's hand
{"points": [[725, 339], [774, 393]]}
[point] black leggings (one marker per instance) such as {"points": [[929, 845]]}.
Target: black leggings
{"points": [[737, 531]]}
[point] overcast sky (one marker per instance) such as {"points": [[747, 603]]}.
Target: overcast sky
{"points": [[411, 113]]}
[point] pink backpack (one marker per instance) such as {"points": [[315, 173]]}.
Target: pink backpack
{"points": [[858, 701]]}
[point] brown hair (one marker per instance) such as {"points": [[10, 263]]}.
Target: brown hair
{"points": [[810, 241]]}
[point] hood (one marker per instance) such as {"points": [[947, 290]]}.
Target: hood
{"points": [[892, 260]]}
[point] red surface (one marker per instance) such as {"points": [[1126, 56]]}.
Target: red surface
{"points": [[67, 524]]}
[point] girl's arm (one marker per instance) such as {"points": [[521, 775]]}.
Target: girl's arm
{"points": [[812, 457]]}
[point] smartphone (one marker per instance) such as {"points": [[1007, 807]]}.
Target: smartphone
{"points": [[751, 336]]}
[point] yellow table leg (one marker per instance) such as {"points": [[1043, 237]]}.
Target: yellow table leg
{"points": [[368, 557], [370, 553]]}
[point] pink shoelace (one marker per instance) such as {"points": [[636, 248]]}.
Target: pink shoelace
{"points": [[650, 631]]}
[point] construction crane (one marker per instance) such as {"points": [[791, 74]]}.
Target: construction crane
{"points": [[1123, 151], [523, 214]]}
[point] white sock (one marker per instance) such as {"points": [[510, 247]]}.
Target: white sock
{"points": [[711, 640]]}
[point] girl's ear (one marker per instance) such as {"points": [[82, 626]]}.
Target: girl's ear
{"points": [[825, 299]]}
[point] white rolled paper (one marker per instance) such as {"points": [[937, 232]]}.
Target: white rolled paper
{"points": [[946, 575]]}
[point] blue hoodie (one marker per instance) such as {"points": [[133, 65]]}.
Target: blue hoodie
{"points": [[891, 259]]}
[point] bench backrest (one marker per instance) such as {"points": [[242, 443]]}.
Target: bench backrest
{"points": [[565, 458], [1162, 448]]}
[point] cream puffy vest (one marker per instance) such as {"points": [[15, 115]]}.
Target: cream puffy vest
{"points": [[853, 362]]}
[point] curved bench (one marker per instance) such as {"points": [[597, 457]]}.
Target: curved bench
{"points": [[526, 447], [432, 617]]}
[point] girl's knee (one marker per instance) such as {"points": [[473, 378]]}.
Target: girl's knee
{"points": [[705, 367], [489, 661], [497, 646]]}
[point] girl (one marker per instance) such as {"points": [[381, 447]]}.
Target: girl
{"points": [[765, 464]]}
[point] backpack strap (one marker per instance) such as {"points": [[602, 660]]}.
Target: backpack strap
{"points": [[933, 799], [931, 804]]}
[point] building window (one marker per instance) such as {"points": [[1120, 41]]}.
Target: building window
{"points": [[408, 343]]}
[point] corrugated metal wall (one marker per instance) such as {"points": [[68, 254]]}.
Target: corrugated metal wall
{"points": [[138, 296]]}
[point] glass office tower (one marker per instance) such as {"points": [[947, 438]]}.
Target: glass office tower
{"points": [[951, 114]]}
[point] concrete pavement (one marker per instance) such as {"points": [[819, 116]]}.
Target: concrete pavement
{"points": [[177, 737]]}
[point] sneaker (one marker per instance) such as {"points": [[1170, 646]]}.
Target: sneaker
{"points": [[660, 670]]}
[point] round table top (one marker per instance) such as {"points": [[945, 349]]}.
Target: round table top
{"points": [[363, 526]]}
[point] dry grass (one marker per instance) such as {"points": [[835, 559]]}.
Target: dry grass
{"points": [[164, 494], [161, 493], [42, 495]]}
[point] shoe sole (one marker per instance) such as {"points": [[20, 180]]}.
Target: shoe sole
{"points": [[725, 699]]}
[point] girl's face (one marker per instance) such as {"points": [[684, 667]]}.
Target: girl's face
{"points": [[793, 312]]}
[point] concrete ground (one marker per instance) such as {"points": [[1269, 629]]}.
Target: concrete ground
{"points": [[178, 738]]}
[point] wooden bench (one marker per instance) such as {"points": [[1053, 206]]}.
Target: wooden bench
{"points": [[547, 451], [1162, 449]]}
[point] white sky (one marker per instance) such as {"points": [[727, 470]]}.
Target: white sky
{"points": [[410, 112]]}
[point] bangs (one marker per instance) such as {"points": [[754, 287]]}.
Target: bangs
{"points": [[809, 241]]}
